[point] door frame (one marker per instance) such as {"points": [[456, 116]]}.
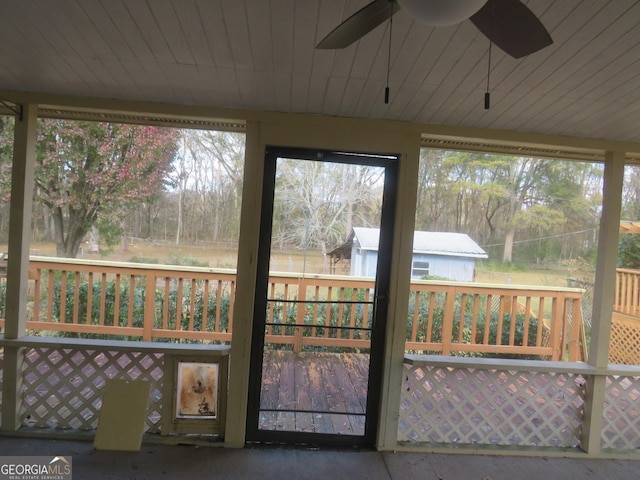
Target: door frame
{"points": [[381, 298]]}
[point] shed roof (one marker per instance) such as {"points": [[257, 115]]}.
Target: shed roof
{"points": [[433, 243]]}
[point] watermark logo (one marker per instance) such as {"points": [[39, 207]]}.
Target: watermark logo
{"points": [[35, 468]]}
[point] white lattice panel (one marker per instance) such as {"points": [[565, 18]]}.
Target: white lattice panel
{"points": [[624, 344], [621, 414], [490, 407], [62, 386]]}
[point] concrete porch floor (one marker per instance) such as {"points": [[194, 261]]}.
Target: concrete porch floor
{"points": [[195, 463]]}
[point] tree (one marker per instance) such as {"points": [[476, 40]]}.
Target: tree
{"points": [[521, 181], [182, 170], [629, 244], [315, 202], [88, 174], [207, 175], [6, 157], [225, 180], [496, 198], [631, 193], [629, 251]]}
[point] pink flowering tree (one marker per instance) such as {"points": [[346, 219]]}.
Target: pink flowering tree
{"points": [[90, 174]]}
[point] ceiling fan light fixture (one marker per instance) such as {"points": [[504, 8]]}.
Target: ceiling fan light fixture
{"points": [[440, 13]]}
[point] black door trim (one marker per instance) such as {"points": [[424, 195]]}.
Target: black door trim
{"points": [[390, 164]]}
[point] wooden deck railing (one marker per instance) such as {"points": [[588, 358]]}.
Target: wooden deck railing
{"points": [[147, 301], [466, 318], [627, 296], [167, 303], [308, 311]]}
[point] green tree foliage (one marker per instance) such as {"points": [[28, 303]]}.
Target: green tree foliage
{"points": [[629, 244], [6, 155], [93, 175], [501, 201], [88, 174], [631, 193], [629, 251]]}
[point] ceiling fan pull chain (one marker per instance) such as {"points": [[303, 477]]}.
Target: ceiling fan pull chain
{"points": [[487, 95], [386, 90]]}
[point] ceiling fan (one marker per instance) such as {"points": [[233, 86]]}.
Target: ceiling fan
{"points": [[509, 24]]}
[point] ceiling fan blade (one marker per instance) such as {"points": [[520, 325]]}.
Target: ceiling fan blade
{"points": [[359, 24], [511, 26]]}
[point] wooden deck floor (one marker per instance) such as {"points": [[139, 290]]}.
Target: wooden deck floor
{"points": [[333, 385]]}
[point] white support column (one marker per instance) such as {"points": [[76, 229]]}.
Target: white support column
{"points": [[22, 184], [603, 302], [245, 296], [400, 284]]}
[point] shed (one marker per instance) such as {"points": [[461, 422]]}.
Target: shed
{"points": [[443, 254]]}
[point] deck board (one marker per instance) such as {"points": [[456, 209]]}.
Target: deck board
{"points": [[286, 397], [350, 398], [269, 395], [318, 395], [314, 384], [304, 422], [341, 423]]}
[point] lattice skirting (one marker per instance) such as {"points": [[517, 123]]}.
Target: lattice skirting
{"points": [[469, 406], [621, 415], [441, 405], [62, 386]]}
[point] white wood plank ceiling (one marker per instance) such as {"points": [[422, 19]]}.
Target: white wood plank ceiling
{"points": [[260, 55]]}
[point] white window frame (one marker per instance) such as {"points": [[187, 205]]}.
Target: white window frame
{"points": [[420, 271]]}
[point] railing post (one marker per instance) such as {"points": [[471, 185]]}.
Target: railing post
{"points": [[447, 321], [300, 309], [626, 293], [636, 293], [565, 333], [575, 338], [35, 275], [555, 334], [150, 307]]}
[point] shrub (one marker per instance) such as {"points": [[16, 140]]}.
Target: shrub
{"points": [[90, 314], [629, 251], [438, 319]]}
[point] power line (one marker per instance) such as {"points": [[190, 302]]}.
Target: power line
{"points": [[542, 238]]}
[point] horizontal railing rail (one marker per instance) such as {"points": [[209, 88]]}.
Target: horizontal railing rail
{"points": [[96, 299]]}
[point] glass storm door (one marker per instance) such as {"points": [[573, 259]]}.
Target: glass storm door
{"points": [[317, 339]]}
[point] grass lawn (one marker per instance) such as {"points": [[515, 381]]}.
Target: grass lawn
{"points": [[539, 277], [225, 256]]}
